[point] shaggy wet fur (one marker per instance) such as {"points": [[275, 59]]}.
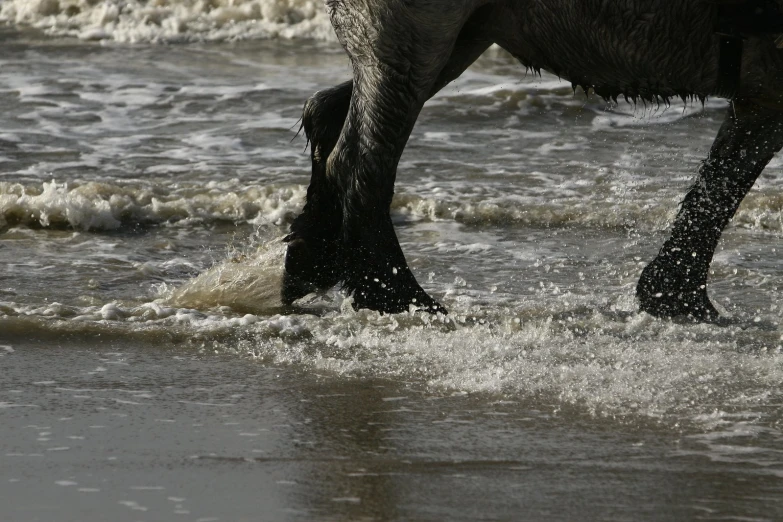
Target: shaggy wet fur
{"points": [[404, 51]]}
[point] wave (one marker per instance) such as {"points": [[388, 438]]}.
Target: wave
{"points": [[172, 21], [109, 206]]}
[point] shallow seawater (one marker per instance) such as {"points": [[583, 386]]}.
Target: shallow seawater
{"points": [[149, 373]]}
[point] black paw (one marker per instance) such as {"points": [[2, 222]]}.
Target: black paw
{"points": [[391, 295], [667, 290], [308, 269]]}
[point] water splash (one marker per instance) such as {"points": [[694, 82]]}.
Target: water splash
{"points": [[246, 283]]}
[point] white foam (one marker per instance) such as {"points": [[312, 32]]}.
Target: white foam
{"points": [[632, 368], [106, 206], [538, 210], [172, 20]]}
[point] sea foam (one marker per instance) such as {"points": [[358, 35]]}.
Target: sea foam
{"points": [[109, 206], [92, 205], [172, 20]]}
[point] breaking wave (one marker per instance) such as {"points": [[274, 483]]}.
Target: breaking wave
{"points": [[172, 21], [108, 206]]}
